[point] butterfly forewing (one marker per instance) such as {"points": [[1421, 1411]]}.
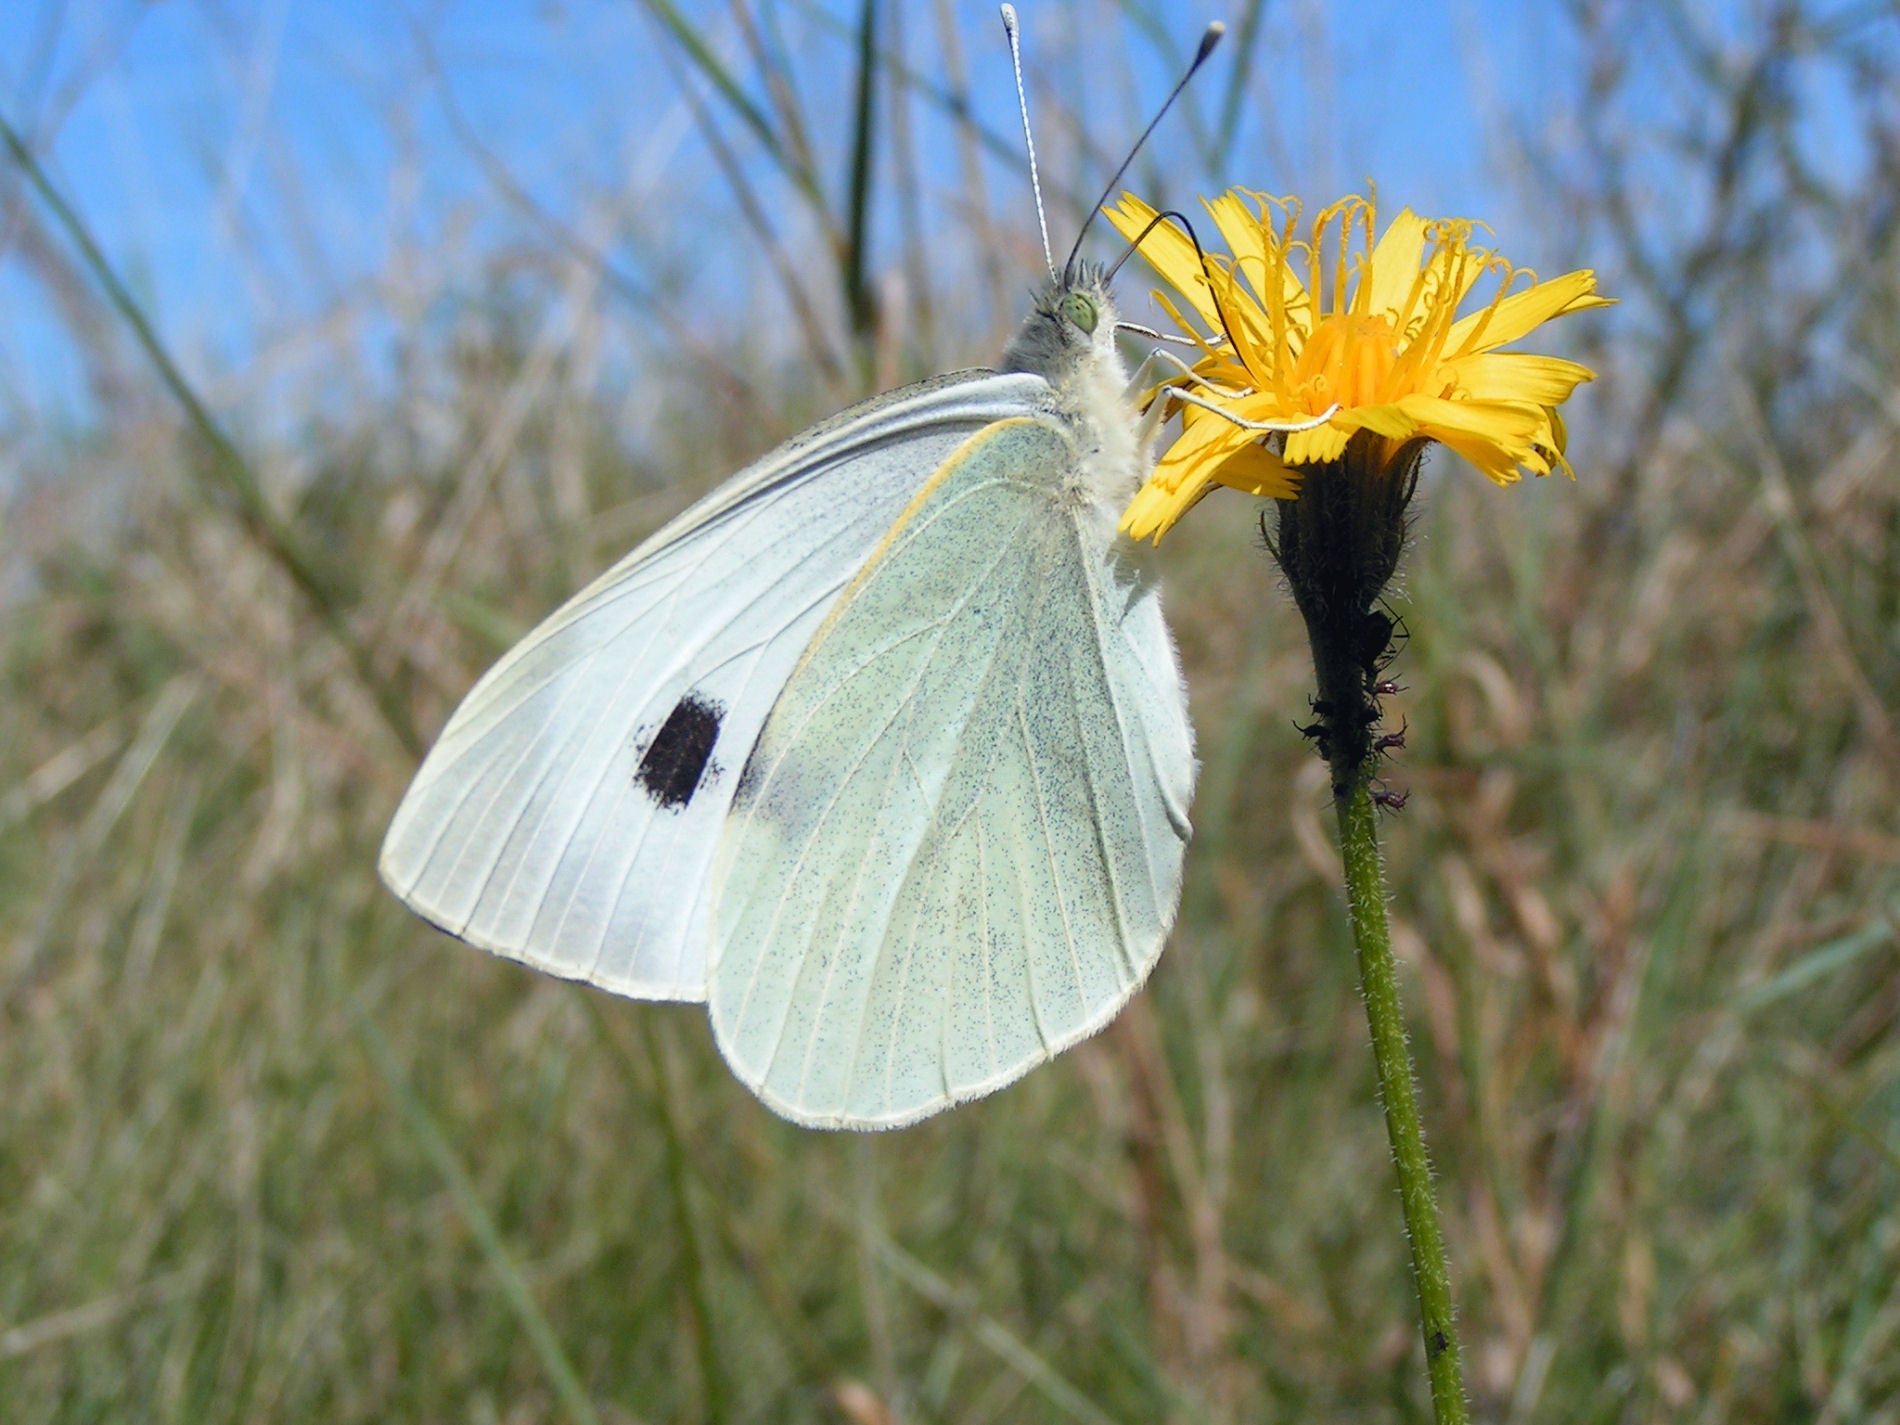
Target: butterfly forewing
{"points": [[957, 846], [568, 814]]}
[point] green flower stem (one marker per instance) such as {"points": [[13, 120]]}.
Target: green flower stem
{"points": [[1365, 901]]}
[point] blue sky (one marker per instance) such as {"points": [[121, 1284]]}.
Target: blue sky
{"points": [[264, 172], [250, 166]]}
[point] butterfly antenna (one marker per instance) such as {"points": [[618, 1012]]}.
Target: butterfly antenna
{"points": [[1208, 41], [1207, 270], [1012, 28]]}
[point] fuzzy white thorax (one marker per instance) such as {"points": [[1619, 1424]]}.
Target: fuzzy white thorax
{"points": [[1089, 390]]}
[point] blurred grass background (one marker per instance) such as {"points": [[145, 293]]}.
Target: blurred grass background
{"points": [[272, 1149]]}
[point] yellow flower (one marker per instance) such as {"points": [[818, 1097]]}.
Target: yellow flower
{"points": [[1369, 340]]}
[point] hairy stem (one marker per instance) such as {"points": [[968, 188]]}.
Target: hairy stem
{"points": [[1365, 900]]}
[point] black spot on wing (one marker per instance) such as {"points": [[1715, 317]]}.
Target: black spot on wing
{"points": [[674, 762]]}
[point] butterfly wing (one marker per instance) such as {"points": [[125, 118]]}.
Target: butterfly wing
{"points": [[568, 814], [956, 849]]}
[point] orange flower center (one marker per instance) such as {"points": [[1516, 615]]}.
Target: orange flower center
{"points": [[1346, 361]]}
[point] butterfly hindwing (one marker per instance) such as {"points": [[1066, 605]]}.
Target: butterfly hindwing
{"points": [[568, 814], [957, 846]]}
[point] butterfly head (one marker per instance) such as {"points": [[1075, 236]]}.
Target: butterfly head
{"points": [[1071, 327]]}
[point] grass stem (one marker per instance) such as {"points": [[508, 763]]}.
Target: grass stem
{"points": [[576, 1403], [698, 1301], [1371, 935]]}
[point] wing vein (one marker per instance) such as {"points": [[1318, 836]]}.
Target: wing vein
{"points": [[838, 949], [1055, 870], [1126, 940], [843, 783]]}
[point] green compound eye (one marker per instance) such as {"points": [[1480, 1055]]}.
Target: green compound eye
{"points": [[1079, 308]]}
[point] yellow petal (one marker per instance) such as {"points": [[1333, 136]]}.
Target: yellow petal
{"points": [[1166, 249], [1250, 328], [1258, 471], [1559, 438], [1183, 474], [1547, 447], [1500, 468], [1327, 442], [1524, 312], [1210, 437], [1155, 509], [1388, 421], [1395, 265], [1454, 271], [1503, 423], [1519, 376], [1256, 253], [1215, 356], [1239, 229]]}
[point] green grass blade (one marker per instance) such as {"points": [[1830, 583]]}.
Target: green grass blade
{"points": [[501, 1263]]}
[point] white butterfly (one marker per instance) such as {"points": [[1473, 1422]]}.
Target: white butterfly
{"points": [[881, 749]]}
